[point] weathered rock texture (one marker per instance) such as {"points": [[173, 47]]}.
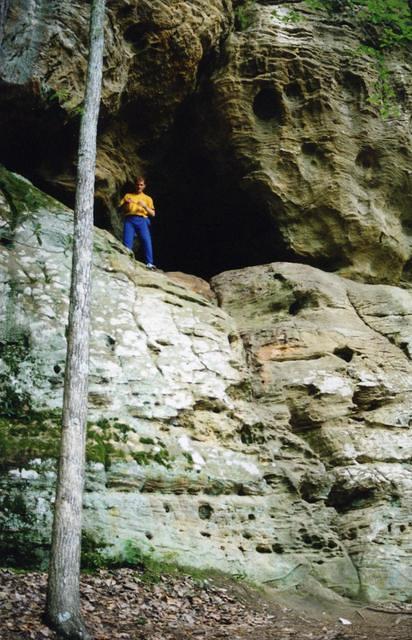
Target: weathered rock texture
{"points": [[270, 438], [153, 54], [298, 109], [272, 135]]}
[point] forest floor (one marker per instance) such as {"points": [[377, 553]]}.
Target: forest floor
{"points": [[122, 604]]}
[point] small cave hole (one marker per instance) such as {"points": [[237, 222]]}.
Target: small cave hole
{"points": [[268, 106], [344, 500], [251, 516], [353, 83], [368, 158], [277, 548], [293, 91], [345, 353], [166, 507], [310, 148], [205, 511], [136, 35], [57, 368], [205, 534], [149, 535], [263, 548]]}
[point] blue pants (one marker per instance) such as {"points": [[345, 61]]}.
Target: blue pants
{"points": [[141, 226]]}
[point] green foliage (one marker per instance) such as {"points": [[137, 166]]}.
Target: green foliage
{"points": [[244, 14], [106, 441], [14, 352], [19, 544], [63, 97], [386, 23], [158, 453], [30, 436], [384, 96]]}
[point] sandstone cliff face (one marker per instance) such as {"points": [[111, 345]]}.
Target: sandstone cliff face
{"points": [[280, 121], [294, 105], [153, 52], [269, 437]]}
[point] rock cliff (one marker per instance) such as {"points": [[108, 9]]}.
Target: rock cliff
{"points": [[268, 436], [283, 115], [264, 427]]}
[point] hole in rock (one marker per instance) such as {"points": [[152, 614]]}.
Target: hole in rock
{"points": [[205, 222], [38, 140], [293, 91], [368, 158], [205, 511], [277, 548], [345, 353], [268, 105], [343, 499], [136, 35], [353, 83]]}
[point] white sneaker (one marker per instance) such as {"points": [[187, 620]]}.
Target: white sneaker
{"points": [[150, 266]]}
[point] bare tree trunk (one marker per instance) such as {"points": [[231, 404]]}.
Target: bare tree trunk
{"points": [[63, 596], [4, 7]]}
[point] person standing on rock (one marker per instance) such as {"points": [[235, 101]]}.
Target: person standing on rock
{"points": [[138, 209]]}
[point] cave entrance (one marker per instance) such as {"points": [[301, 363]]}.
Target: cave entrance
{"points": [[205, 222]]}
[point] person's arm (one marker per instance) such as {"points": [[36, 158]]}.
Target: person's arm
{"points": [[149, 210]]}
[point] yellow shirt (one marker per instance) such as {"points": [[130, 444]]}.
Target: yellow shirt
{"points": [[134, 208]]}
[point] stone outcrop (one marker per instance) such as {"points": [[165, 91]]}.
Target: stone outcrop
{"points": [[269, 437], [279, 115], [153, 52], [300, 114]]}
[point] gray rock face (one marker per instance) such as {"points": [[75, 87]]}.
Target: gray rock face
{"points": [[268, 438]]}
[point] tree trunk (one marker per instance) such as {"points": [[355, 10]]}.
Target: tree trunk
{"points": [[4, 7], [63, 596]]}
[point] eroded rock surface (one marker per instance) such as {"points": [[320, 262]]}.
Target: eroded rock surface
{"points": [[296, 112], [283, 134], [153, 51], [269, 438]]}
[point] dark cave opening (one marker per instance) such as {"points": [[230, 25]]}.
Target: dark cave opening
{"points": [[205, 222], [38, 141], [205, 225]]}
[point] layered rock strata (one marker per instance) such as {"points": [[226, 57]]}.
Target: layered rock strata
{"points": [[268, 438], [303, 130], [300, 115]]}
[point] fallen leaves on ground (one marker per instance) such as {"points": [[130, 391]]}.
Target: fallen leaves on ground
{"points": [[120, 605]]}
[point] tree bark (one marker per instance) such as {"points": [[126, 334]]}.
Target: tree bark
{"points": [[4, 7], [63, 595]]}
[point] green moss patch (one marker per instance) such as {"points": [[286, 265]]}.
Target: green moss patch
{"points": [[24, 438], [23, 198]]}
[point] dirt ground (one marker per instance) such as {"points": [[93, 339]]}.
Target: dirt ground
{"points": [[122, 604]]}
